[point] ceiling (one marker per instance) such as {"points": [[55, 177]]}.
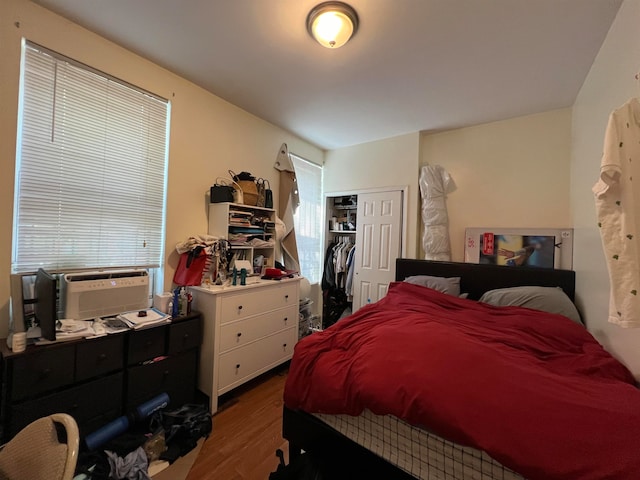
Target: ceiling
{"points": [[413, 65]]}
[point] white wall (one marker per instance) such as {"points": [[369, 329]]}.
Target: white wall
{"points": [[610, 83], [392, 162], [511, 173], [208, 135]]}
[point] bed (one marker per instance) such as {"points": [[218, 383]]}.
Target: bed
{"points": [[432, 383]]}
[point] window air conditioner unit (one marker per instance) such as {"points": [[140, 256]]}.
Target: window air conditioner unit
{"points": [[87, 295]]}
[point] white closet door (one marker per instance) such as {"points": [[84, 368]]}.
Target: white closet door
{"points": [[378, 244]]}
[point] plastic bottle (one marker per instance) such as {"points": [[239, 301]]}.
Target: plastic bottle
{"points": [[175, 311], [183, 301]]}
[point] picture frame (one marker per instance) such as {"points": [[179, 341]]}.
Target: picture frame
{"points": [[532, 247]]}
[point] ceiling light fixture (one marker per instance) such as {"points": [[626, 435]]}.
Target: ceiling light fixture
{"points": [[332, 24]]}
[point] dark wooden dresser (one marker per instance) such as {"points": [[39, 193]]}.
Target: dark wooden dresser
{"points": [[99, 379]]}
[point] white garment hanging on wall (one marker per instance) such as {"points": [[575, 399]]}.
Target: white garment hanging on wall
{"points": [[288, 201], [435, 183], [617, 200]]}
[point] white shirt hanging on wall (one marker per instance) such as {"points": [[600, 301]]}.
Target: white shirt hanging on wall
{"points": [[617, 197]]}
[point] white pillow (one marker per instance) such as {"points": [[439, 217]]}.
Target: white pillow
{"points": [[547, 299], [448, 285]]}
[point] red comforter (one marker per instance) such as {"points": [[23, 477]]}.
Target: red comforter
{"points": [[534, 390]]}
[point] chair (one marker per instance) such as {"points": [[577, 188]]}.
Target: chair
{"points": [[47, 448]]}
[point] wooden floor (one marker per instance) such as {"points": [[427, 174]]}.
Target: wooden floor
{"points": [[247, 430]]}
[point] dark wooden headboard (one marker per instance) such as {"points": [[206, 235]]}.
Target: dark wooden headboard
{"points": [[475, 279]]}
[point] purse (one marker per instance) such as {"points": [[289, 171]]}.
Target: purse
{"points": [[265, 195], [225, 190], [268, 196], [191, 267], [248, 187], [221, 193]]}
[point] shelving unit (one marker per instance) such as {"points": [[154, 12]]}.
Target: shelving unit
{"points": [[343, 209], [255, 224]]}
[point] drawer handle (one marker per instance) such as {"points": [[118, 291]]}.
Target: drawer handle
{"points": [[185, 336], [45, 373], [237, 366], [239, 307], [285, 319], [149, 343], [239, 334], [102, 356], [284, 345], [166, 373], [286, 297], [74, 406]]}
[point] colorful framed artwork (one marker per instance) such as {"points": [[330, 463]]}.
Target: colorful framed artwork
{"points": [[517, 247]]}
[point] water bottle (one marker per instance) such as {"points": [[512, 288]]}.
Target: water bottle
{"points": [[175, 310]]}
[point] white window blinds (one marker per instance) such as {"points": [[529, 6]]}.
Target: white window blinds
{"points": [[308, 218], [90, 171]]}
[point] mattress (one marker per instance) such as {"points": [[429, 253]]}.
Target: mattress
{"points": [[418, 452]]}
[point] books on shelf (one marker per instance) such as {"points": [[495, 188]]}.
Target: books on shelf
{"points": [[239, 218]]}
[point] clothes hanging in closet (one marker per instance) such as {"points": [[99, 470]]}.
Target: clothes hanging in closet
{"points": [[337, 276]]}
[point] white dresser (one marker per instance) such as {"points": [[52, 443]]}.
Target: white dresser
{"points": [[248, 330]]}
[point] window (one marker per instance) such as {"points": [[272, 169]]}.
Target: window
{"points": [[308, 218], [90, 169]]}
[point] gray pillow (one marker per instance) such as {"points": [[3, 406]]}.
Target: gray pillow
{"points": [[547, 299], [448, 285]]}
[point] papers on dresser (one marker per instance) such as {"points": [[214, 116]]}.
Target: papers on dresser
{"points": [[144, 318], [67, 329]]}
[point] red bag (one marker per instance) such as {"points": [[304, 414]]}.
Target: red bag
{"points": [[191, 267]]}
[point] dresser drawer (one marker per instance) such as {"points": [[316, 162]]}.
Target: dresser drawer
{"points": [[175, 376], [146, 344], [240, 364], [42, 371], [242, 332], [92, 404], [254, 301], [99, 356], [185, 335]]}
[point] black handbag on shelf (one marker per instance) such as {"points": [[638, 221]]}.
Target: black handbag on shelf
{"points": [[220, 192]]}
